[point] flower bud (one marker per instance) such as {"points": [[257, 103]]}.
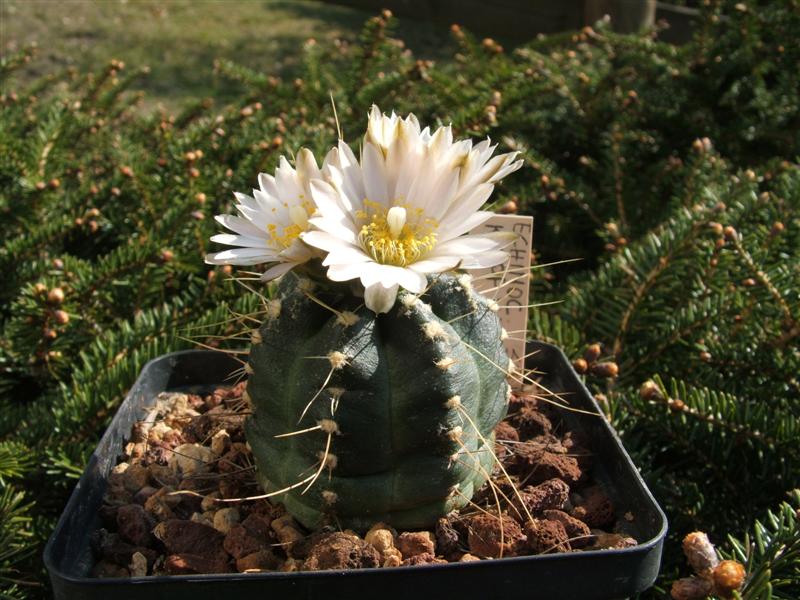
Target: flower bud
{"points": [[580, 365], [691, 588], [592, 353], [605, 369], [728, 577], [699, 552], [650, 391], [55, 296]]}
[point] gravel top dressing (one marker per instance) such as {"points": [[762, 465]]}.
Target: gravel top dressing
{"points": [[171, 506]]}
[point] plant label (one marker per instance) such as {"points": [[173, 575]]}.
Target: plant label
{"points": [[508, 283]]}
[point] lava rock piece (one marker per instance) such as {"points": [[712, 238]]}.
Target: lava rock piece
{"points": [[535, 463], [447, 539], [545, 536], [485, 538], [262, 560], [191, 538], [548, 495], [595, 508], [414, 543], [107, 569], [135, 524], [188, 563], [425, 558], [579, 533], [341, 551], [239, 542]]}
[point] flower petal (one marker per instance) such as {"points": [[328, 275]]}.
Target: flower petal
{"points": [[325, 241], [437, 264], [268, 185], [240, 256], [328, 202], [374, 176], [345, 272], [277, 270], [336, 229], [306, 168], [484, 259], [239, 240], [239, 225], [389, 275], [341, 169], [289, 189], [474, 244], [298, 252], [467, 224], [380, 299]]}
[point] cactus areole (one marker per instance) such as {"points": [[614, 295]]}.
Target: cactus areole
{"points": [[398, 408]]}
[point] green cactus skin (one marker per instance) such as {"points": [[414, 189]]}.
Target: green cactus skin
{"points": [[403, 452]]}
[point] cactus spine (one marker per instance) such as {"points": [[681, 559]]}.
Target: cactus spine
{"points": [[381, 398]]}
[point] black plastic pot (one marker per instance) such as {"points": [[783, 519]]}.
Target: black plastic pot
{"points": [[581, 575]]}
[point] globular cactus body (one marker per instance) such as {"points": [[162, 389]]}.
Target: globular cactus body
{"points": [[402, 395]]}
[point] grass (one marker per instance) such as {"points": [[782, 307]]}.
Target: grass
{"points": [[180, 39]]}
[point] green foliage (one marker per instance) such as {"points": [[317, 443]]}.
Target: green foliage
{"points": [[639, 157], [772, 554]]}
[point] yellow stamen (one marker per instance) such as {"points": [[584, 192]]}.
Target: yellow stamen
{"points": [[391, 238], [298, 214]]}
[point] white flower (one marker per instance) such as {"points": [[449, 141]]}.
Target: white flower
{"points": [[272, 220], [402, 212]]}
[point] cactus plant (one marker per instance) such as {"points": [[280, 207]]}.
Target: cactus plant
{"points": [[375, 400], [386, 429]]}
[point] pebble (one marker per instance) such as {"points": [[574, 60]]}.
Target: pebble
{"points": [[187, 564], [413, 543], [484, 536], [163, 475], [579, 533], [191, 459], [143, 494], [209, 501], [425, 558], [160, 504], [107, 569], [135, 477], [201, 518], [447, 538], [550, 494], [287, 531], [259, 525], [467, 557], [225, 518], [392, 559], [117, 475], [380, 538], [221, 442], [239, 542], [261, 560], [611, 540], [138, 566], [546, 536], [134, 524], [180, 537], [341, 551], [595, 508]]}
